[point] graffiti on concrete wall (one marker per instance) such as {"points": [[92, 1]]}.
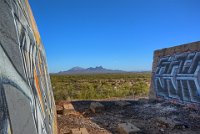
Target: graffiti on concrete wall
{"points": [[178, 77], [26, 98]]}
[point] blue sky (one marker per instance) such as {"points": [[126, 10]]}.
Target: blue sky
{"points": [[117, 34]]}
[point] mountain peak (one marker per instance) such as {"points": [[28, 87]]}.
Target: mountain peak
{"points": [[99, 67], [90, 70], [76, 68]]}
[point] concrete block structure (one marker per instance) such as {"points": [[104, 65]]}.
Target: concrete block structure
{"points": [[176, 74], [26, 99]]}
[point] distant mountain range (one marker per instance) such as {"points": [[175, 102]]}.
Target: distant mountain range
{"points": [[91, 70]]}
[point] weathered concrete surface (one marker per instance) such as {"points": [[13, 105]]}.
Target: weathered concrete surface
{"points": [[176, 73], [26, 98]]}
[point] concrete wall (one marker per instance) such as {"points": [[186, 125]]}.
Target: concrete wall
{"points": [[26, 98], [176, 73]]}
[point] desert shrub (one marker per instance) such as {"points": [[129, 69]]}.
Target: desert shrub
{"points": [[100, 86]]}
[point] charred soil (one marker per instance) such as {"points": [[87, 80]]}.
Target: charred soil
{"points": [[150, 116]]}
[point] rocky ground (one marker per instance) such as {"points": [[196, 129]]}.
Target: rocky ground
{"points": [[151, 117]]}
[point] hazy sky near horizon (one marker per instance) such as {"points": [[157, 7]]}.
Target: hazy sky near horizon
{"points": [[117, 34]]}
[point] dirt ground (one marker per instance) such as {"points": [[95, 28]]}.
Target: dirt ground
{"points": [[150, 116]]}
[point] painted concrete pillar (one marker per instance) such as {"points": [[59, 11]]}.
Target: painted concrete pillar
{"points": [[176, 74], [26, 99]]}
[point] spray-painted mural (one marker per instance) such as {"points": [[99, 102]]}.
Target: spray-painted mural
{"points": [[26, 98], [178, 77]]}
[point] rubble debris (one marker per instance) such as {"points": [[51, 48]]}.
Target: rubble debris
{"points": [[127, 128], [75, 131], [59, 109], [163, 118], [96, 107], [68, 108], [79, 131], [84, 131]]}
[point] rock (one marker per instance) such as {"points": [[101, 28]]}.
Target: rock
{"points": [[59, 115], [168, 109], [96, 107], [75, 113], [68, 108], [59, 109], [79, 131], [75, 131], [122, 103], [162, 130], [147, 105], [127, 128], [158, 105], [168, 122], [84, 131], [68, 132]]}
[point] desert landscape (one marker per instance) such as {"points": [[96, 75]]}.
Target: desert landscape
{"points": [[92, 104], [106, 67]]}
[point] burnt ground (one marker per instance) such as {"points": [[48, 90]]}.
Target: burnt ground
{"points": [[152, 117]]}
